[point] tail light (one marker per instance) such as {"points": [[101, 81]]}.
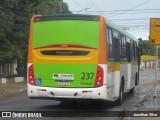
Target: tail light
{"points": [[31, 79], [99, 77]]}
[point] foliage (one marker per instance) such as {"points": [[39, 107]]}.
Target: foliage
{"points": [[14, 25], [146, 48]]}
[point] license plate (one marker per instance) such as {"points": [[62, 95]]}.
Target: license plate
{"points": [[63, 76], [63, 83]]}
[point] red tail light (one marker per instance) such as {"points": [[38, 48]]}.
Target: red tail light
{"points": [[99, 77], [31, 79]]}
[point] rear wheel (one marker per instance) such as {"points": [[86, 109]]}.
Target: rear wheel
{"points": [[136, 83], [131, 91], [136, 80], [120, 99]]}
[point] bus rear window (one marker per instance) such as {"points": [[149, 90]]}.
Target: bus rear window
{"points": [[78, 32], [65, 52]]}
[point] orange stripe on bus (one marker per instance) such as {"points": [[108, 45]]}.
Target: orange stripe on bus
{"points": [[102, 58], [30, 48]]}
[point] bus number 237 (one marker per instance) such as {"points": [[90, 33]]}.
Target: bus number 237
{"points": [[87, 75]]}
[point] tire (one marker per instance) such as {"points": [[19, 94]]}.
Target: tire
{"points": [[119, 101], [136, 80], [131, 91]]}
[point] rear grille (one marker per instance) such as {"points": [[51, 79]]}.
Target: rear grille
{"points": [[65, 52]]}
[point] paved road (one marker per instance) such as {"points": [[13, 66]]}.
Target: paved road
{"points": [[21, 102]]}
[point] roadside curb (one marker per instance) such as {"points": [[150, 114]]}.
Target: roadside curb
{"points": [[4, 81]]}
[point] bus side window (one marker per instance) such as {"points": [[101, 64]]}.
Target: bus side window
{"points": [[134, 49], [131, 49], [134, 56], [137, 51], [109, 44], [116, 46], [128, 50], [123, 48]]}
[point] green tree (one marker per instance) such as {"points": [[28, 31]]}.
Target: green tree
{"points": [[6, 24], [14, 25], [51, 7], [146, 48]]}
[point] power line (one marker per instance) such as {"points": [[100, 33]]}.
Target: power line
{"points": [[133, 26], [78, 4], [96, 6], [140, 11], [124, 13], [90, 5], [131, 19], [110, 11], [131, 8]]}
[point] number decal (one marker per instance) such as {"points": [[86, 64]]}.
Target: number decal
{"points": [[87, 76], [83, 77], [92, 74]]}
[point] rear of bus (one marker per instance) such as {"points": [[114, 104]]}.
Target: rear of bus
{"points": [[67, 57]]}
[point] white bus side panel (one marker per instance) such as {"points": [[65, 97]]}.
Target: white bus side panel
{"points": [[123, 73], [116, 84], [110, 86], [129, 76], [134, 70]]}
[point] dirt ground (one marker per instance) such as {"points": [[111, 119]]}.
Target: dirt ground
{"points": [[146, 94], [12, 88]]}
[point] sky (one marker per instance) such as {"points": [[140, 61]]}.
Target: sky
{"points": [[132, 15]]}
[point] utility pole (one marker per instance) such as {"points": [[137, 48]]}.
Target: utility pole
{"points": [[156, 66], [155, 40], [61, 7]]}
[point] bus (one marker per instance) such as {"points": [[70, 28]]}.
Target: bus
{"points": [[80, 57]]}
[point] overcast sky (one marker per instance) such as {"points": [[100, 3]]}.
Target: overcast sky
{"points": [[132, 15]]}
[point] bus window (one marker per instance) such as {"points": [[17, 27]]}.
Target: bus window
{"points": [[137, 51], [134, 50], [116, 48], [128, 50], [131, 48], [122, 48], [109, 44]]}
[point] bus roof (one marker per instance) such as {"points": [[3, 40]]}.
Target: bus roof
{"points": [[118, 28], [82, 17], [66, 17]]}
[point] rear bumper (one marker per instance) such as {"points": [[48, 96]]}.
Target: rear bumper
{"points": [[36, 92]]}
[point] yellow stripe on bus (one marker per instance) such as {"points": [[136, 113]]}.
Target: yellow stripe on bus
{"points": [[91, 58], [113, 67]]}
